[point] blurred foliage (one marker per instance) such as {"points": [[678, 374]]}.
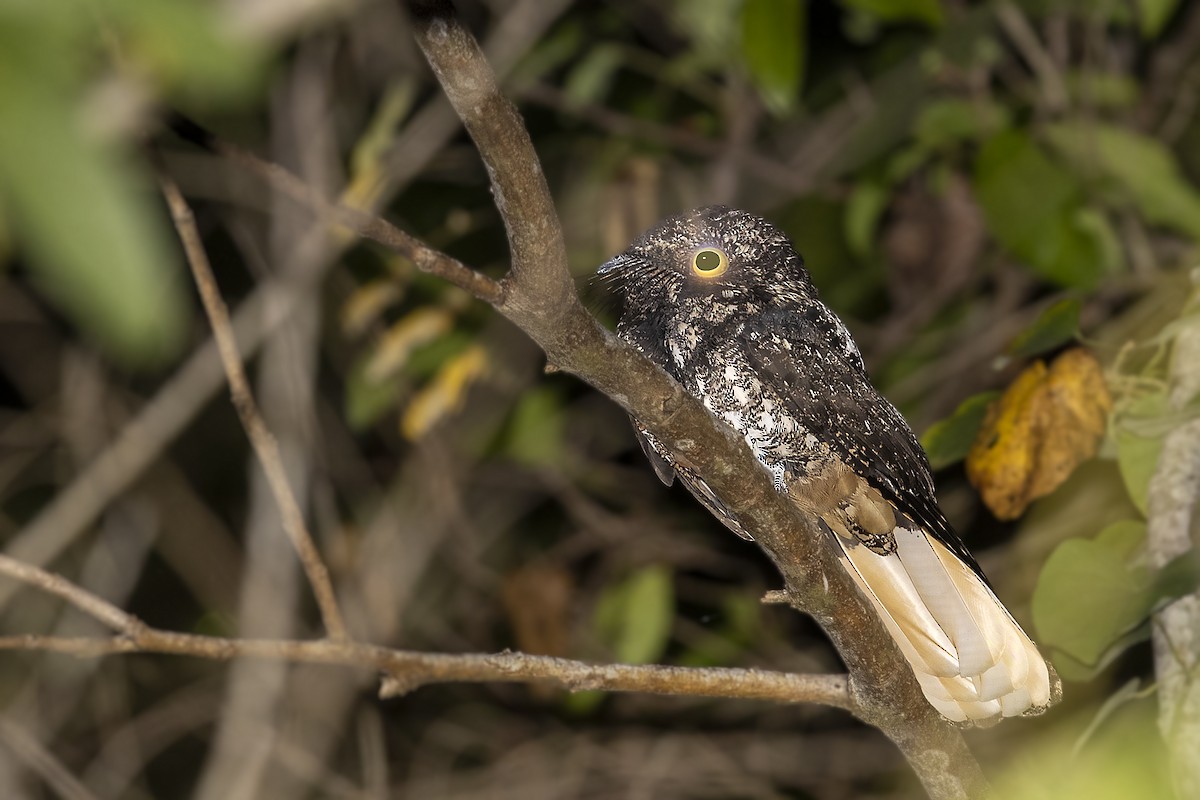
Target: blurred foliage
{"points": [[75, 78], [976, 189]]}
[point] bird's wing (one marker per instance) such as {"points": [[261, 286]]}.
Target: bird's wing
{"points": [[660, 459], [667, 467], [833, 397]]}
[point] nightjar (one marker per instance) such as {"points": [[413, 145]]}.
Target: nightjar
{"points": [[721, 300]]}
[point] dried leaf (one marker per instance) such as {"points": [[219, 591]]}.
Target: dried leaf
{"points": [[398, 343], [366, 305], [537, 600], [445, 392], [1033, 437]]}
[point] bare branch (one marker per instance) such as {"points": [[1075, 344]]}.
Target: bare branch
{"points": [[367, 225], [406, 670], [18, 741], [265, 446], [539, 253], [59, 586]]}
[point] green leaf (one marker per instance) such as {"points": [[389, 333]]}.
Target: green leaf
{"points": [[634, 617], [741, 623], [1142, 168], [1153, 15], [1130, 691], [1122, 760], [948, 441], [947, 122], [1178, 577], [1102, 90], [711, 26], [905, 162], [1089, 595], [589, 81], [1055, 326], [188, 45], [95, 242], [773, 46], [926, 11], [1137, 457], [864, 208], [535, 432], [367, 400], [1034, 207]]}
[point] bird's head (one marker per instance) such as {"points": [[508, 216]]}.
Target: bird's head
{"points": [[714, 255]]}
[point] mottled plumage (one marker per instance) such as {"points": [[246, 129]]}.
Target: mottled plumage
{"points": [[720, 299]]}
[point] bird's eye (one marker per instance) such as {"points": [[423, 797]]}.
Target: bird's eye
{"points": [[709, 263]]}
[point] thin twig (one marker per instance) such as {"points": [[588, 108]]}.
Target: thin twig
{"points": [[265, 446], [28, 749], [77, 596], [1021, 33], [367, 225]]}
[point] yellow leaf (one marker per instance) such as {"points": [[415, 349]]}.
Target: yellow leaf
{"points": [[1046, 423], [398, 343], [366, 304], [444, 394]]}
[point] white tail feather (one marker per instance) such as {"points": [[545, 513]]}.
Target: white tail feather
{"points": [[972, 660]]}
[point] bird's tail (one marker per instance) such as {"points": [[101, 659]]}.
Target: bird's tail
{"points": [[971, 658]]}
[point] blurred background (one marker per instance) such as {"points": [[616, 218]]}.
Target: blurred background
{"points": [[973, 186]]}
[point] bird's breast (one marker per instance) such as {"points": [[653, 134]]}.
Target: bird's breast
{"points": [[724, 381]]}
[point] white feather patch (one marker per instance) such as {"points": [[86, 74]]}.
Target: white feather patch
{"points": [[972, 660]]}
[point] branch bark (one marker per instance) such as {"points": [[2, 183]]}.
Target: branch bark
{"points": [[1172, 506], [407, 670], [265, 446]]}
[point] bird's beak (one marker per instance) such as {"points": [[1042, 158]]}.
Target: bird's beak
{"points": [[614, 265]]}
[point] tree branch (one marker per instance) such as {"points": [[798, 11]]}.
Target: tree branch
{"points": [[406, 670], [77, 596], [1172, 507], [535, 239], [369, 226], [265, 445]]}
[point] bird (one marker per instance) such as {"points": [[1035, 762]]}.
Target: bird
{"points": [[720, 299]]}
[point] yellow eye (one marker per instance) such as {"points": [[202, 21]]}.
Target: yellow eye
{"points": [[709, 263]]}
